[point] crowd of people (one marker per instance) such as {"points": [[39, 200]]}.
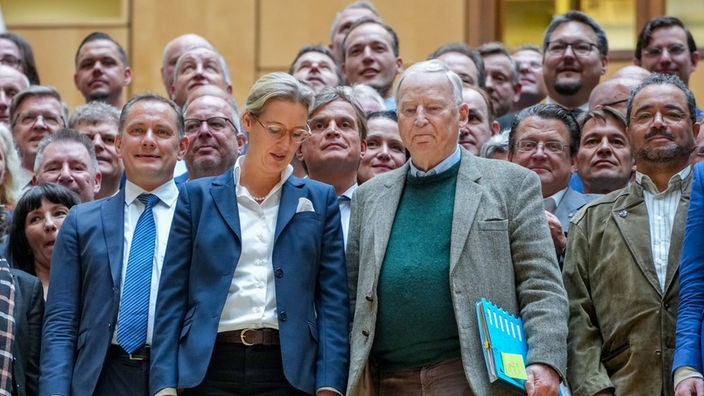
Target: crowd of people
{"points": [[334, 234]]}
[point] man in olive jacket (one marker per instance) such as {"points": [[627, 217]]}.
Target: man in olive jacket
{"points": [[623, 253]]}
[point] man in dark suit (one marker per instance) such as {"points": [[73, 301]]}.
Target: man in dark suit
{"points": [[430, 239], [89, 344]]}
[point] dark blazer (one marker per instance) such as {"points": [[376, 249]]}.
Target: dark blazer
{"points": [[83, 300], [309, 273], [29, 309], [690, 327]]}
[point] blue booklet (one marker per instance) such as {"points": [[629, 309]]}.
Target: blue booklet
{"points": [[503, 343]]}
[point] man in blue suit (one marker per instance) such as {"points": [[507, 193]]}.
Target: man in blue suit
{"points": [[253, 299], [83, 349]]}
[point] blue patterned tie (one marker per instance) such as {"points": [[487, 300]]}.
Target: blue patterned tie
{"points": [[134, 303]]}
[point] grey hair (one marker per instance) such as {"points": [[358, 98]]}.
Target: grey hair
{"points": [[94, 112], [433, 66], [276, 85], [498, 142], [67, 135], [32, 92]]}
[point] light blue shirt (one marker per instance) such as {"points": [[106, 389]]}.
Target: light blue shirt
{"points": [[444, 165]]}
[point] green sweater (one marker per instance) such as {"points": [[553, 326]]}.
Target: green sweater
{"points": [[416, 323]]}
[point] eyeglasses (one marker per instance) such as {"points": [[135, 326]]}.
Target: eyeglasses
{"points": [[215, 124], [668, 117], [553, 146], [580, 48], [656, 52], [277, 130], [9, 60], [31, 119]]}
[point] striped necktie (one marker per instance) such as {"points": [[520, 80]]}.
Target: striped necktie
{"points": [[134, 302], [7, 327]]}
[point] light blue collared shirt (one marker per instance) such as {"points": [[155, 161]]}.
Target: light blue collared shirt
{"points": [[444, 165]]}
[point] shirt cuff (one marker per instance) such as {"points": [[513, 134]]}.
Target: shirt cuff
{"points": [[329, 389], [684, 372], [167, 392]]}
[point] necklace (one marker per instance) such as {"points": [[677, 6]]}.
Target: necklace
{"points": [[258, 199]]}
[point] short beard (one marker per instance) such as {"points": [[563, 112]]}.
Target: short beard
{"points": [[567, 88], [665, 154]]}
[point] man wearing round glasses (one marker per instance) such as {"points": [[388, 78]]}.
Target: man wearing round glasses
{"points": [[575, 49], [211, 123]]}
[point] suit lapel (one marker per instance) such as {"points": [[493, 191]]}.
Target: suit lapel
{"points": [[291, 191], [468, 195], [112, 214], [677, 236], [384, 212], [631, 218], [223, 192]]}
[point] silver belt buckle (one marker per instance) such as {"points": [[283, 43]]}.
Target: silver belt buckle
{"points": [[243, 339]]}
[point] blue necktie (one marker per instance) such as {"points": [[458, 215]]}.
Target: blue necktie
{"points": [[134, 303]]}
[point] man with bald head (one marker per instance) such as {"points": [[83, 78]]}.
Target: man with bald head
{"points": [[173, 50], [12, 81], [212, 126], [614, 93], [631, 71], [199, 66]]}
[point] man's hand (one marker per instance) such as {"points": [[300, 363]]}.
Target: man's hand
{"points": [[326, 392], [558, 236], [542, 381], [690, 387]]}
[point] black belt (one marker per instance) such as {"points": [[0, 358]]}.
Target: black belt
{"points": [[142, 353], [250, 337]]}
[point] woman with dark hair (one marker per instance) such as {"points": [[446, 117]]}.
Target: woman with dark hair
{"points": [[35, 223], [16, 52]]}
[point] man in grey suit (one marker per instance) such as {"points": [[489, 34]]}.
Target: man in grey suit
{"points": [[430, 239], [545, 138]]}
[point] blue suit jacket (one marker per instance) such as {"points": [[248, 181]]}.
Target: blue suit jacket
{"points": [[310, 280], [83, 299], [688, 351]]}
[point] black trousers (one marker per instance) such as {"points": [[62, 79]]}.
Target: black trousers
{"points": [[121, 376], [237, 369]]}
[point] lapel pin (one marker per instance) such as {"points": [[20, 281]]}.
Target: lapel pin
{"points": [[623, 213]]}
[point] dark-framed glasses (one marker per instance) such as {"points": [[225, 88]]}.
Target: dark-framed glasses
{"points": [[51, 120], [580, 48], [668, 117], [277, 130], [552, 146], [9, 60], [215, 124], [656, 52]]}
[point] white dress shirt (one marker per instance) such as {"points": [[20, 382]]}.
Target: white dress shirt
{"points": [[345, 210], [662, 207], [163, 214], [251, 300]]}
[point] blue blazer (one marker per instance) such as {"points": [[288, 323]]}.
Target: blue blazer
{"points": [[309, 274], [83, 300], [688, 351]]}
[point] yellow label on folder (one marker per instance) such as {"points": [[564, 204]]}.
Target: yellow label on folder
{"points": [[514, 366]]}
